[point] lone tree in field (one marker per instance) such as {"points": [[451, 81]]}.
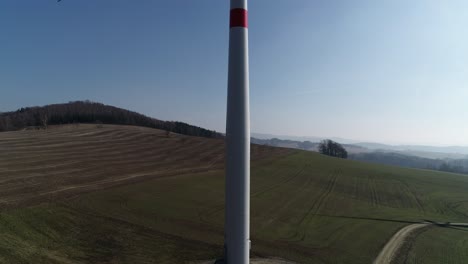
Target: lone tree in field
{"points": [[332, 148]]}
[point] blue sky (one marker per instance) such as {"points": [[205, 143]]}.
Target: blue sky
{"points": [[384, 71]]}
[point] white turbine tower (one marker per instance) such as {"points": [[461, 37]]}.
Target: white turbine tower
{"points": [[237, 229]]}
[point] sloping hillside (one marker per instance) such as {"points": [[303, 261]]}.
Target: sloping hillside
{"points": [[124, 194], [91, 112], [40, 164]]}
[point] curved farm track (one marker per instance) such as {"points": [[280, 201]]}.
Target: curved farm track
{"points": [[393, 247], [402, 242], [41, 165]]}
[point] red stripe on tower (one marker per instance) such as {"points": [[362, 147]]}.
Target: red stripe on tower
{"points": [[238, 18]]}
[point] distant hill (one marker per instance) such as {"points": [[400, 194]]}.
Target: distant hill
{"points": [[431, 152], [91, 112], [285, 143], [410, 159], [302, 138], [460, 150], [304, 145], [398, 159]]}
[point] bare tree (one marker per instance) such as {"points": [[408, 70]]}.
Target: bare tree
{"points": [[44, 121]]}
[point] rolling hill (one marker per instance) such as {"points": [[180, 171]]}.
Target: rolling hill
{"points": [[304, 145], [75, 112], [407, 158], [87, 193]]}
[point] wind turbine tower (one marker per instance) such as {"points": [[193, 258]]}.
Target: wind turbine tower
{"points": [[237, 229]]}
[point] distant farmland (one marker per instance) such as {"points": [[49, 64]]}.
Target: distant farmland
{"points": [[121, 194]]}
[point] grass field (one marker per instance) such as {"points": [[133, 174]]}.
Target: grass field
{"points": [[439, 246], [132, 195]]}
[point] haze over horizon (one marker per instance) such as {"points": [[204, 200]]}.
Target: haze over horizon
{"points": [[392, 72]]}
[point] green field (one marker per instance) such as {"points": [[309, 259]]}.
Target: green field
{"points": [[439, 246], [306, 207]]}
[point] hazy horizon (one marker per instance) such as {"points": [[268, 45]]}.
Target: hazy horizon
{"points": [[347, 140], [391, 72]]}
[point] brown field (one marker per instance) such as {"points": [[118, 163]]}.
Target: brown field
{"points": [[42, 165]]}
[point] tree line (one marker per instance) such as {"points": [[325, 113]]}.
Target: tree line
{"points": [[92, 112]]}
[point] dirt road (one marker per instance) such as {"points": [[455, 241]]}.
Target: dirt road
{"points": [[391, 248]]}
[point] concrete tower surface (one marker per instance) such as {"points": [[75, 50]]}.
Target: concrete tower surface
{"points": [[237, 227]]}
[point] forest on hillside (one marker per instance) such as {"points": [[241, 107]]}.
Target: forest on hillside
{"points": [[91, 112]]}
